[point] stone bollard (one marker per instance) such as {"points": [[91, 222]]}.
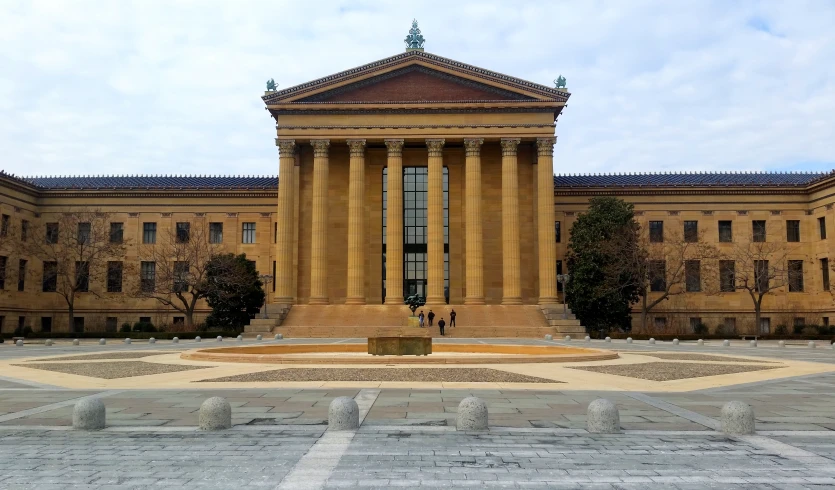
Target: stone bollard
{"points": [[472, 414], [259, 337], [675, 341], [279, 336], [102, 341], [219, 338], [76, 342], [602, 417], [127, 341], [343, 414], [781, 344], [607, 339], [587, 338], [700, 342], [628, 340], [215, 414], [48, 342], [753, 343], [548, 336], [175, 340], [737, 418], [726, 343], [651, 341], [152, 340], [88, 414], [19, 343], [812, 344], [197, 339], [240, 338], [568, 338]]}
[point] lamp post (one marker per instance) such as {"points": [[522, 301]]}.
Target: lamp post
{"points": [[266, 279], [564, 278]]}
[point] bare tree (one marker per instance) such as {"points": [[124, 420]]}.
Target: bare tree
{"points": [[661, 266], [75, 249], [173, 270]]}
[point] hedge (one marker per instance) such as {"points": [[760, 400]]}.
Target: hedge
{"points": [[132, 335], [644, 336]]}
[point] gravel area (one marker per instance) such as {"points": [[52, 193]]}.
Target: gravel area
{"points": [[668, 371], [458, 375], [112, 370], [701, 357], [106, 355]]}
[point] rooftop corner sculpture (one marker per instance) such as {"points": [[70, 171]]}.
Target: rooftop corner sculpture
{"points": [[271, 86], [560, 82], [414, 40], [414, 301]]}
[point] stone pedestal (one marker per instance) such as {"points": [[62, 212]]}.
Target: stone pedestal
{"points": [[400, 346]]}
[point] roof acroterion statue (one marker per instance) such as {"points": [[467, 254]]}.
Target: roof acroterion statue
{"points": [[271, 86], [414, 40], [560, 82]]}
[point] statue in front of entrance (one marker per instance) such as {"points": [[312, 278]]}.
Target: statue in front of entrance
{"points": [[271, 86], [414, 301], [560, 82]]}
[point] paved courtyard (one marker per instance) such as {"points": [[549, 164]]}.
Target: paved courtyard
{"points": [[537, 436]]}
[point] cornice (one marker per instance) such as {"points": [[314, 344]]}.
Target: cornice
{"points": [[161, 193], [414, 126], [655, 191]]}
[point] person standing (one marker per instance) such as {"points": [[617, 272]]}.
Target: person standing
{"points": [[441, 324], [452, 318], [420, 319], [431, 317]]}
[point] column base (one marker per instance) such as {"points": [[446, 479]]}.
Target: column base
{"points": [[548, 300], [512, 301], [435, 300], [474, 301], [355, 301], [394, 301], [318, 301], [284, 300]]}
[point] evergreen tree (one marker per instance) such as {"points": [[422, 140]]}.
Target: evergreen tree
{"points": [[235, 291]]}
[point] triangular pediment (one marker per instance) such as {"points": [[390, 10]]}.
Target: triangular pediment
{"points": [[416, 76]]}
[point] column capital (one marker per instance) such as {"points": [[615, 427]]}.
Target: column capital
{"points": [[545, 146], [395, 147], [286, 148], [357, 147], [509, 146], [320, 147], [436, 146], [473, 146]]}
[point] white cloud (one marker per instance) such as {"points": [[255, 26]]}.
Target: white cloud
{"points": [[155, 86]]}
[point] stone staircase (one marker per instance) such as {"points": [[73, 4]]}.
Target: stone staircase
{"points": [[563, 321], [277, 313]]}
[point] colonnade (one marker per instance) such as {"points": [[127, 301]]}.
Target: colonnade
{"points": [[474, 273]]}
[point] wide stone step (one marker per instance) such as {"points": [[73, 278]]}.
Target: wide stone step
{"points": [[454, 332]]}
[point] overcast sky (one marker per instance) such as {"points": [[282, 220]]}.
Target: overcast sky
{"points": [[173, 87]]}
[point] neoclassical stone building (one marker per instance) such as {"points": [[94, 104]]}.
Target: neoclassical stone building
{"points": [[414, 174]]}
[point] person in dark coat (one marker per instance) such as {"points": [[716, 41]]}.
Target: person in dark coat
{"points": [[441, 324], [431, 317], [420, 318], [452, 318]]}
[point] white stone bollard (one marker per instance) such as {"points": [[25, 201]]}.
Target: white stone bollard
{"points": [[472, 414], [587, 338], [753, 343], [726, 343], [259, 337], [279, 336], [651, 341], [781, 344], [48, 342], [89, 414], [812, 344], [548, 336], [19, 343], [219, 338], [607, 339], [675, 341], [215, 414], [343, 414], [127, 341], [197, 339], [76, 342], [737, 418], [240, 338], [175, 340], [568, 338], [628, 340], [602, 417], [700, 342], [102, 341], [152, 340]]}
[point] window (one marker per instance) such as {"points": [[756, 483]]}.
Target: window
{"points": [[24, 230], [148, 276], [78, 324], [144, 319], [183, 232], [111, 323], [21, 275], [21, 322], [761, 278], [46, 324], [557, 231], [275, 232], [726, 234], [825, 274], [274, 276], [758, 228], [660, 322], [149, 233], [82, 276], [656, 231], [792, 230], [84, 233], [657, 275], [727, 276], [691, 231], [2, 318], [50, 277], [117, 232], [3, 261], [825, 321], [249, 233], [114, 277], [215, 232], [695, 323], [52, 233], [765, 326], [559, 271], [693, 276], [180, 276], [730, 324], [4, 226], [799, 323], [179, 320], [795, 276], [822, 227]]}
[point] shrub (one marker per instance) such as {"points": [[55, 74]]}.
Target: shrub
{"points": [[823, 330], [23, 331], [781, 330], [726, 331], [700, 329], [798, 329], [125, 328], [144, 327]]}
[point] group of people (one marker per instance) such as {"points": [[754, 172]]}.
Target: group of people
{"points": [[441, 322]]}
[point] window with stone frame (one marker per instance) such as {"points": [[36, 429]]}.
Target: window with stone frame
{"points": [[3, 263], [758, 230], [557, 231], [117, 232], [52, 233], [727, 276], [657, 275], [50, 277], [792, 230], [660, 323], [21, 275], [761, 275], [183, 232], [248, 232], [691, 231], [726, 233], [4, 225], [84, 230], [822, 227], [24, 230], [181, 271], [825, 273], [82, 276], [795, 276], [114, 277], [148, 276], [656, 231], [215, 232], [693, 276], [149, 233]]}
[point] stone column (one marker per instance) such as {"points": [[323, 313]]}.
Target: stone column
{"points": [[511, 281], [475, 238], [319, 227], [394, 223], [435, 224], [356, 224], [545, 221], [286, 224]]}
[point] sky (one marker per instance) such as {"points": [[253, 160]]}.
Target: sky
{"points": [[115, 87]]}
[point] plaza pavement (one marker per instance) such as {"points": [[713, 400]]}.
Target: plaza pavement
{"points": [[537, 437]]}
